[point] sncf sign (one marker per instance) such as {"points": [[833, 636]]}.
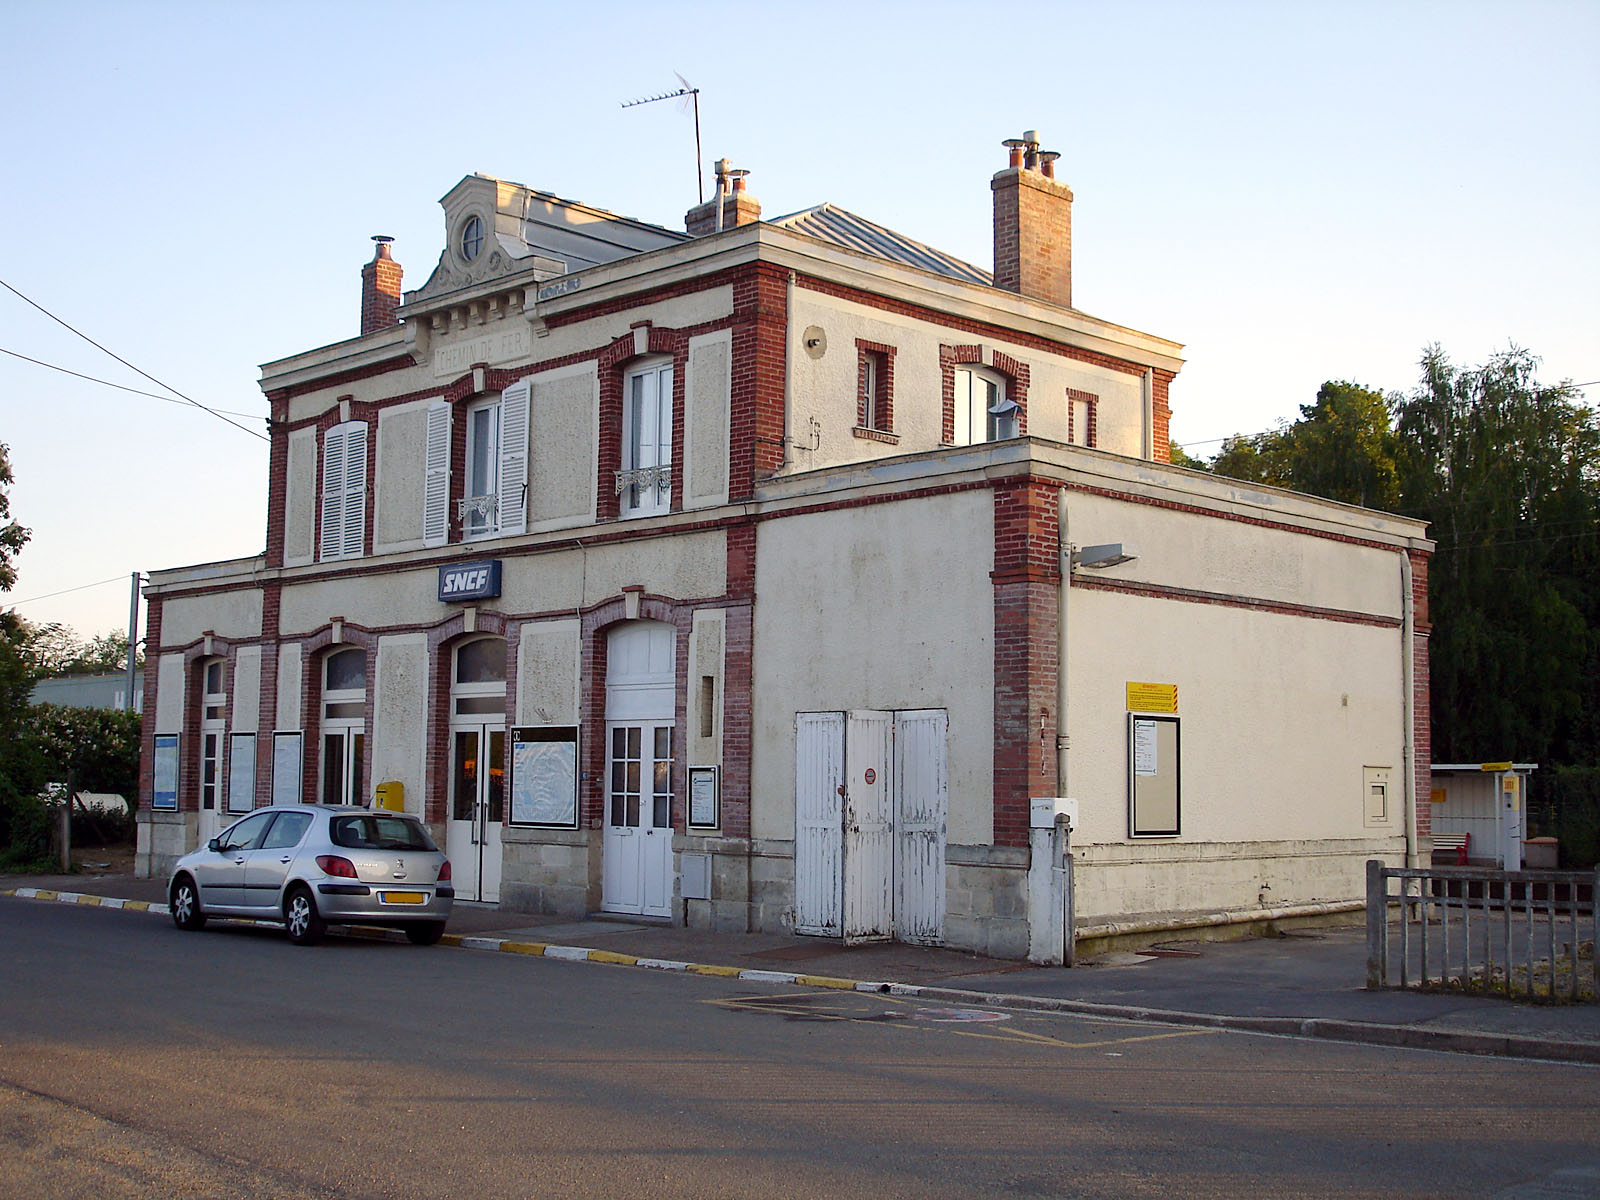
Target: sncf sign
{"points": [[470, 581]]}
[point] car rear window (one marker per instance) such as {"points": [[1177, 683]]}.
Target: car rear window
{"points": [[379, 833]]}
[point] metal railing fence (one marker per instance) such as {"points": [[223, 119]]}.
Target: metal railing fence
{"points": [[1521, 934]]}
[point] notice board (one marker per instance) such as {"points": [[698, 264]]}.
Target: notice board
{"points": [[1154, 762]]}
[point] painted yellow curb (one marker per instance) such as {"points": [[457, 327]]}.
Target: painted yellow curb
{"points": [[826, 981], [706, 969], [534, 948], [612, 956], [45, 894]]}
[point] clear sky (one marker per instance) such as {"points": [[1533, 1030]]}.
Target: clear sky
{"points": [[1296, 191]]}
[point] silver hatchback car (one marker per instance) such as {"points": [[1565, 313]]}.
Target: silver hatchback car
{"points": [[312, 865]]}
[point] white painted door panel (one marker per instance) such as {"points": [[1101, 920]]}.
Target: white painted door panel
{"points": [[921, 802], [819, 820], [868, 828]]}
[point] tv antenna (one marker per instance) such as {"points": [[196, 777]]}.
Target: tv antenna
{"points": [[690, 95]]}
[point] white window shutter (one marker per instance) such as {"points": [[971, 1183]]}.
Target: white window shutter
{"points": [[355, 490], [436, 477], [333, 480], [513, 504]]}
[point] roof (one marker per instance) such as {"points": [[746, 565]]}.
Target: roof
{"points": [[830, 223]]}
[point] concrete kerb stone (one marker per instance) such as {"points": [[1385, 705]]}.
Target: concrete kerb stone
{"points": [[1412, 1037]]}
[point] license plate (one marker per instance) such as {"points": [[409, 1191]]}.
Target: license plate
{"points": [[402, 897]]}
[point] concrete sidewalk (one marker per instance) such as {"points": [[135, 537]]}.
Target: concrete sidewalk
{"points": [[1305, 985]]}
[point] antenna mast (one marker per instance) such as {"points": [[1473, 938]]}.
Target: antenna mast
{"points": [[691, 95]]}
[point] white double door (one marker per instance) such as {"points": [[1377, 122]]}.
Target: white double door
{"points": [[870, 806], [636, 851], [477, 809]]}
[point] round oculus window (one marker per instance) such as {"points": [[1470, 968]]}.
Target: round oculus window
{"points": [[472, 238]]}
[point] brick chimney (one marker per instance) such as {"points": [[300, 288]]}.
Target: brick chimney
{"points": [[1032, 224], [738, 206], [380, 289]]}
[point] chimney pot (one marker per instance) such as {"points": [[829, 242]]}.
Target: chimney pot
{"points": [[1033, 225], [380, 288]]}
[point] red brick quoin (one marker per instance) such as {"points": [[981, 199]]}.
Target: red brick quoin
{"points": [[1027, 578]]}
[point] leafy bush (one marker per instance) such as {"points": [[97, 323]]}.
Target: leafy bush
{"points": [[1571, 800], [25, 823]]}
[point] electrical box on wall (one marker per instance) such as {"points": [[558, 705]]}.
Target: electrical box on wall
{"points": [[1043, 811]]}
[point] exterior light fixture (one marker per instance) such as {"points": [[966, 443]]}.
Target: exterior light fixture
{"points": [[1096, 558]]}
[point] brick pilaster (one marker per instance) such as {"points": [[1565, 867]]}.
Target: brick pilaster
{"points": [[1026, 577]]}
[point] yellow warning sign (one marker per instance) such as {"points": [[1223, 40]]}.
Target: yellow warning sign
{"points": [[1153, 697]]}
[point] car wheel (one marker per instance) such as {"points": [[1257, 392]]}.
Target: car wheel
{"points": [[301, 919], [427, 933], [185, 902]]}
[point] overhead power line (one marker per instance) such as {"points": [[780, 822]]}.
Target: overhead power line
{"points": [[130, 366], [82, 587], [38, 362]]}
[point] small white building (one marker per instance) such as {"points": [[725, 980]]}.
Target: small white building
{"points": [[1480, 810], [727, 577]]}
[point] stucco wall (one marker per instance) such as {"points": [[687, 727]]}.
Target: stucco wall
{"points": [[289, 672], [1278, 714], [246, 688], [825, 388], [232, 614], [561, 447], [400, 474], [686, 566], [884, 607], [706, 399], [300, 520], [169, 694], [548, 670], [1229, 557], [400, 732]]}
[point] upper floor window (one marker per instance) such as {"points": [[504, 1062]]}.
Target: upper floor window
{"points": [[875, 387], [480, 502], [983, 411], [491, 495], [1082, 418], [344, 491], [471, 238], [644, 484]]}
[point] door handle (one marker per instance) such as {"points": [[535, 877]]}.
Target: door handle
{"points": [[287, 858]]}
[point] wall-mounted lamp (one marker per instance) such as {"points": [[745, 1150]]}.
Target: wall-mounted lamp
{"points": [[1097, 558]]}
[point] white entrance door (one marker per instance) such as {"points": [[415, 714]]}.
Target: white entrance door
{"points": [[636, 842], [637, 846], [477, 808], [870, 805]]}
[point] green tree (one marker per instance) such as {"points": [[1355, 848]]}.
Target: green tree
{"points": [[58, 650], [13, 537], [1507, 472], [1256, 457], [1343, 447]]}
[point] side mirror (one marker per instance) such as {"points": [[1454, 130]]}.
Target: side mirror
{"points": [[214, 845]]}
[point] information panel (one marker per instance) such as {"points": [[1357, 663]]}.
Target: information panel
{"points": [[164, 796], [241, 772], [1153, 776], [288, 753], [544, 776]]}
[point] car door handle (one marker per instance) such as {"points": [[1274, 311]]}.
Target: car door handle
{"points": [[287, 858], [239, 862]]}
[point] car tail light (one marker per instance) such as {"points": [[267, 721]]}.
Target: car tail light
{"points": [[444, 872], [332, 864]]}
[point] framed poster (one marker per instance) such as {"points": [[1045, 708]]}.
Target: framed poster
{"points": [[1153, 776], [241, 772], [164, 794], [705, 797], [288, 753], [544, 776]]}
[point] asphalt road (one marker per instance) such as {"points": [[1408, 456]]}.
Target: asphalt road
{"points": [[138, 1061]]}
